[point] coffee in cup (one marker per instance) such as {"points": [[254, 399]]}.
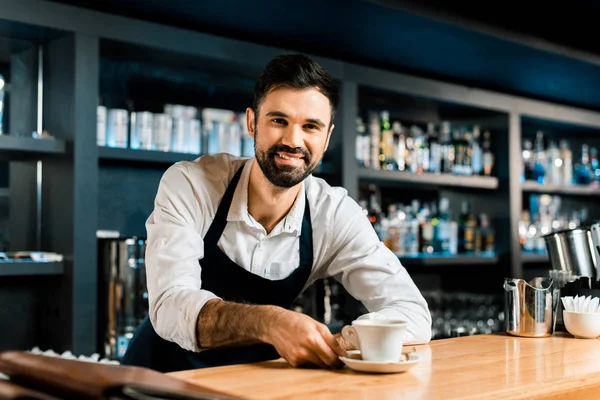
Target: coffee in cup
{"points": [[377, 340]]}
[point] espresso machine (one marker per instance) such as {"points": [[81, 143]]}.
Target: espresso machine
{"points": [[122, 294], [575, 259]]}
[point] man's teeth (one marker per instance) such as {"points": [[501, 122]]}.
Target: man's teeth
{"points": [[286, 157]]}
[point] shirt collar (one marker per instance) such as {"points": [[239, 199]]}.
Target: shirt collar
{"points": [[238, 211]]}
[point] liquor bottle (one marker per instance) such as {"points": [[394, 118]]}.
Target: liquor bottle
{"points": [[427, 231], [468, 153], [466, 229], [583, 170], [488, 238], [387, 143], [363, 144], [595, 166], [528, 162], [567, 163], [442, 233], [554, 164], [447, 148], [375, 130], [459, 152], [488, 157], [399, 145], [477, 152], [435, 150], [539, 159]]}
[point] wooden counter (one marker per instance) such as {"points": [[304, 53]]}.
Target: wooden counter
{"points": [[478, 367]]}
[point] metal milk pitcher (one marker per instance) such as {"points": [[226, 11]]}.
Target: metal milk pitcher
{"points": [[530, 308]]}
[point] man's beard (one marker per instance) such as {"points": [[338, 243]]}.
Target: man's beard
{"points": [[284, 176]]}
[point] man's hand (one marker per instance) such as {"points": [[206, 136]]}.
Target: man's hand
{"points": [[299, 339]]}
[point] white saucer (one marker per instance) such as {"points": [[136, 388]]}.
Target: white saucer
{"points": [[355, 362]]}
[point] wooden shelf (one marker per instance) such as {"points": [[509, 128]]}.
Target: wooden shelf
{"points": [[440, 259], [142, 156], [533, 258], [26, 147], [403, 177], [30, 268], [574, 190]]}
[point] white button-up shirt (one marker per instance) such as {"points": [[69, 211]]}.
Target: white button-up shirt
{"points": [[345, 247]]}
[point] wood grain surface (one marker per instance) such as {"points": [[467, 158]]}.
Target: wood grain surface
{"points": [[494, 366]]}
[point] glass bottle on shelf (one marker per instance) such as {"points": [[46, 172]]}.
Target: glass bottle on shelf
{"points": [[442, 233], [459, 144], [488, 157], [595, 166], [466, 229], [539, 159], [583, 170], [363, 144], [567, 163], [375, 133], [447, 148], [476, 152], [488, 238], [528, 162], [387, 143], [426, 231], [399, 145], [435, 150], [554, 164]]}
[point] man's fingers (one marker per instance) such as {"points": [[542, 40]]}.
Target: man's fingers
{"points": [[325, 353], [332, 342]]}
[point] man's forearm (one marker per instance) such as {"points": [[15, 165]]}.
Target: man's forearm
{"points": [[222, 323]]}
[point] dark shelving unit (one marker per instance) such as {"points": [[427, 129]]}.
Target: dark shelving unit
{"points": [[31, 268], [533, 258], [430, 179], [574, 190], [26, 147], [142, 156], [449, 260]]}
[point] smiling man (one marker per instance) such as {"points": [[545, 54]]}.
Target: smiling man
{"points": [[233, 242]]}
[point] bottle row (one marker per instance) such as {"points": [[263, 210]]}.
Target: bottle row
{"points": [[553, 164], [543, 217], [410, 230], [443, 148], [177, 129]]}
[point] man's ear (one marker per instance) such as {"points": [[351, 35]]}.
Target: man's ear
{"points": [[250, 121], [328, 137]]}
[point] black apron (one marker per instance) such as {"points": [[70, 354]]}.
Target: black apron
{"points": [[230, 282]]}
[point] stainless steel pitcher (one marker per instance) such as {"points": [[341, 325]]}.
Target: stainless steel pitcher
{"points": [[530, 307]]}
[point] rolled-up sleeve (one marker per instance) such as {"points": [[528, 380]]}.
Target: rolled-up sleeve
{"points": [[173, 249], [373, 274]]}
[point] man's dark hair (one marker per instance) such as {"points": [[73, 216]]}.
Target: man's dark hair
{"points": [[295, 71]]}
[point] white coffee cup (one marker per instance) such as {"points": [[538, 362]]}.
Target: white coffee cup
{"points": [[377, 340]]}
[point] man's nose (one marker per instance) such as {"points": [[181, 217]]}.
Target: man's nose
{"points": [[293, 136]]}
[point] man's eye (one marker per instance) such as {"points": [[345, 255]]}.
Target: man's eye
{"points": [[279, 121], [311, 127]]}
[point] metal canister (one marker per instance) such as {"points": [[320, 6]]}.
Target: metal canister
{"points": [[570, 251]]}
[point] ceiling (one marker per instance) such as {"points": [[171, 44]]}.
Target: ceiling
{"points": [[408, 36]]}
